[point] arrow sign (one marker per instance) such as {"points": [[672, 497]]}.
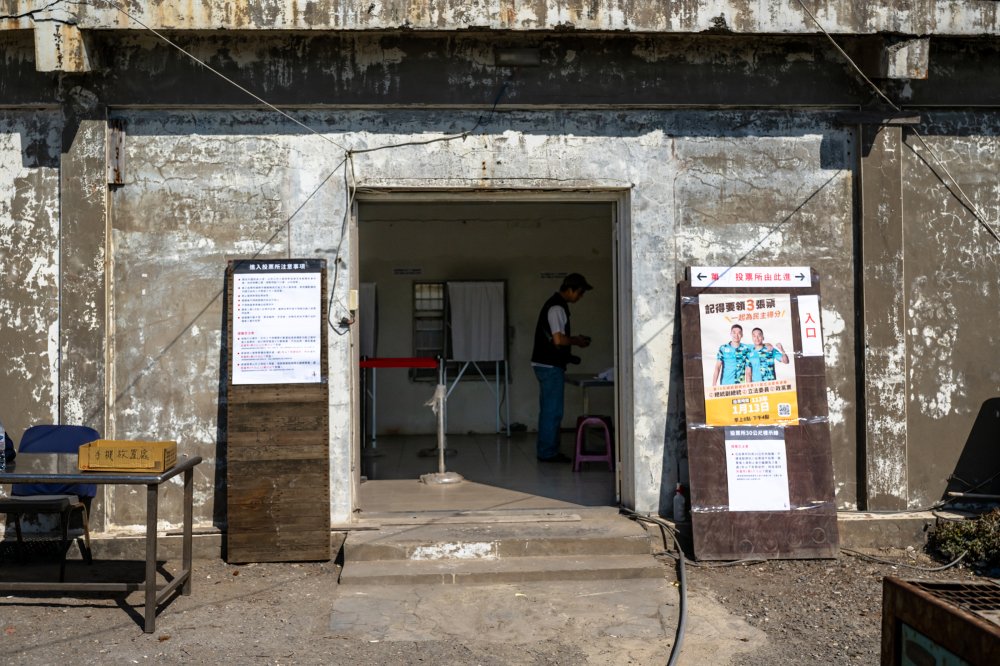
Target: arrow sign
{"points": [[750, 276]]}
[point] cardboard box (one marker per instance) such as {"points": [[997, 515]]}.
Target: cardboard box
{"points": [[120, 455]]}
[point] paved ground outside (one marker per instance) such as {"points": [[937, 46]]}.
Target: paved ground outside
{"points": [[779, 612]]}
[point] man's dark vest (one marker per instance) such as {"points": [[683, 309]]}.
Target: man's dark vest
{"points": [[545, 350]]}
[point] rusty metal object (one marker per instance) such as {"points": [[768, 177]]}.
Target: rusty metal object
{"points": [[924, 621]]}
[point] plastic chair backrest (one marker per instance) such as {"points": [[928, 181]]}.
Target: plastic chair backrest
{"points": [[55, 439]]}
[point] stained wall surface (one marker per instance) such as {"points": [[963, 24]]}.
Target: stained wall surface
{"points": [[949, 324], [697, 194], [719, 149], [29, 267]]}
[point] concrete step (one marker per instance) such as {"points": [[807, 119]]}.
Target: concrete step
{"points": [[498, 571], [495, 548], [499, 540]]}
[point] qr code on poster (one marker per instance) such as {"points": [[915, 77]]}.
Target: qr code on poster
{"points": [[784, 409]]}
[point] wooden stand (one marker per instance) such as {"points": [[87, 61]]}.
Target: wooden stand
{"points": [[278, 477]]}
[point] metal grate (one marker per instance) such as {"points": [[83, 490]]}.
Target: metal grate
{"points": [[983, 599]]}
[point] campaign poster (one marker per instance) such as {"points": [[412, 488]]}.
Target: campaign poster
{"points": [[748, 359], [757, 469]]}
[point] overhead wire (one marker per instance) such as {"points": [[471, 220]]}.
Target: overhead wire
{"points": [[965, 200]]}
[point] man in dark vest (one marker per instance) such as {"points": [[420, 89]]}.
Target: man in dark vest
{"points": [[549, 357]]}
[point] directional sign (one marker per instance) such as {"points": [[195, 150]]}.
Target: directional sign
{"points": [[750, 276]]}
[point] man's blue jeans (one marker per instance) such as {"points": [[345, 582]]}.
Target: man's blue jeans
{"points": [[551, 387]]}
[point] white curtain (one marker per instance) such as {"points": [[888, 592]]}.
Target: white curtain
{"points": [[478, 328], [368, 318]]}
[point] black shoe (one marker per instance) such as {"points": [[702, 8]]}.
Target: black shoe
{"points": [[559, 457]]}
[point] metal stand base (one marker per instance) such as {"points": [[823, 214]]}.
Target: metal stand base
{"points": [[439, 478]]}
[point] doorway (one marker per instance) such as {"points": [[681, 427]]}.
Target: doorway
{"points": [[410, 252]]}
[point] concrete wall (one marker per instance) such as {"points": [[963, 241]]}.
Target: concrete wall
{"points": [[971, 17], [30, 143], [204, 186], [129, 276], [951, 286]]}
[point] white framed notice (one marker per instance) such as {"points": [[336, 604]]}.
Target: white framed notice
{"points": [[750, 276], [757, 469], [277, 322]]}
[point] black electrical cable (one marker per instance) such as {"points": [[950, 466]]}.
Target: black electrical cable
{"points": [[902, 564], [666, 528]]}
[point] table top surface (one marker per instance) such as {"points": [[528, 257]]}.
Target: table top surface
{"points": [[37, 468], [585, 380]]}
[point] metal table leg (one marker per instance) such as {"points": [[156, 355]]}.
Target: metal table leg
{"points": [[151, 507], [188, 529]]}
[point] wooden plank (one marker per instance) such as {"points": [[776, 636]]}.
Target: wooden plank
{"points": [[278, 451], [279, 393], [278, 480]]}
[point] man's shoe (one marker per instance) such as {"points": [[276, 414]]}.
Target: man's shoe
{"points": [[559, 457]]}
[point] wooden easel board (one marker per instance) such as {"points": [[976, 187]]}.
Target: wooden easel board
{"points": [[759, 455], [277, 473]]}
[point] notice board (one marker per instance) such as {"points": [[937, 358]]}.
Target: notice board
{"points": [[278, 480], [759, 455]]}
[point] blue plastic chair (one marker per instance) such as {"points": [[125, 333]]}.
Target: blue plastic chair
{"points": [[55, 439], [63, 499]]}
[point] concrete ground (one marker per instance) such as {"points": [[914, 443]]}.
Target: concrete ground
{"points": [[299, 614]]}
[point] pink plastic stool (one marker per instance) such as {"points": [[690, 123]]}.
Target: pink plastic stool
{"points": [[581, 430]]}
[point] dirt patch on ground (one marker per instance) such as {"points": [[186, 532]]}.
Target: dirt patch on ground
{"points": [[774, 613], [815, 611]]}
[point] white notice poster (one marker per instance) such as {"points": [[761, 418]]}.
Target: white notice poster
{"points": [[757, 469], [277, 320]]}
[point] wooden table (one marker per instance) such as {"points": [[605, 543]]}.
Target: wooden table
{"points": [[25, 471]]}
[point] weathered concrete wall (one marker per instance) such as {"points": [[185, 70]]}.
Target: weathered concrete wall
{"points": [[951, 290], [200, 189], [935, 17], [221, 183], [211, 182], [29, 268], [779, 191]]}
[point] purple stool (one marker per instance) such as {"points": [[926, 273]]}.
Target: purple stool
{"points": [[582, 424]]}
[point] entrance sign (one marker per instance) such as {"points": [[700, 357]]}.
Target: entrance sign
{"points": [[277, 322], [747, 383], [811, 331], [757, 469], [758, 436], [750, 276]]}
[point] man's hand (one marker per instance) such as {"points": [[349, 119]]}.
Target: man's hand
{"points": [[580, 340], [573, 359]]}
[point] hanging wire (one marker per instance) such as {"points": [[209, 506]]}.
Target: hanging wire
{"points": [[951, 183]]}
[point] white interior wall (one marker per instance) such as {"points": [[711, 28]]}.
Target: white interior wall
{"points": [[522, 243]]}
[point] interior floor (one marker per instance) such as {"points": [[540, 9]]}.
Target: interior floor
{"points": [[500, 473]]}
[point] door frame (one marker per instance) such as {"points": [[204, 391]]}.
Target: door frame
{"points": [[619, 197]]}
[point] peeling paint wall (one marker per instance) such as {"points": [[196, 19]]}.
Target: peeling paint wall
{"points": [[779, 191], [202, 188], [951, 289], [970, 17], [222, 183], [29, 268], [655, 119]]}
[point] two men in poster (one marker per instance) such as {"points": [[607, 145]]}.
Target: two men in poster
{"points": [[751, 384]]}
